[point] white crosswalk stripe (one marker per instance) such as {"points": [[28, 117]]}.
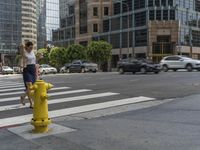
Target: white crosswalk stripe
{"points": [[21, 92], [91, 100]]}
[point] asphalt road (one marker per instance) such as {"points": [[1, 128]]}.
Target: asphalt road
{"points": [[173, 125], [160, 86]]}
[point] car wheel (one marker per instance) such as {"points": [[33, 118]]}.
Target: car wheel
{"points": [[68, 70], [133, 72], [198, 69], [165, 68], [121, 71], [189, 68], [94, 71], [43, 72], [156, 72], [174, 70], [82, 70], [143, 70]]}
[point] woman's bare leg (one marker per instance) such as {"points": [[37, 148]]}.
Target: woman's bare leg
{"points": [[22, 98], [28, 84]]}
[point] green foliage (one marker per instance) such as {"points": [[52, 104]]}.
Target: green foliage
{"points": [[45, 58], [17, 59], [58, 57], [76, 52], [99, 51]]}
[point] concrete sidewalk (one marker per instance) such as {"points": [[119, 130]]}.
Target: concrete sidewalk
{"points": [[171, 126]]}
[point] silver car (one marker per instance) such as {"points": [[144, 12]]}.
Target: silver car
{"points": [[46, 69], [179, 62]]}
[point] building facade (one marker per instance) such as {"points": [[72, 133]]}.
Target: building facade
{"points": [[153, 29], [10, 28], [48, 20], [141, 28], [80, 20], [29, 21]]}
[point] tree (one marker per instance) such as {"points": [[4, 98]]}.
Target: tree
{"points": [[45, 58], [58, 57], [76, 51], [99, 52]]}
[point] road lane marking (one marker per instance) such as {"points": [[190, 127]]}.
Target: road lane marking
{"points": [[22, 91], [61, 100], [12, 89], [11, 86], [49, 94], [75, 110]]}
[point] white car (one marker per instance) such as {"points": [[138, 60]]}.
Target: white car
{"points": [[46, 69], [7, 70], [179, 62]]}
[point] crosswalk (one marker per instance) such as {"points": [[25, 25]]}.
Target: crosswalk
{"points": [[62, 101]]}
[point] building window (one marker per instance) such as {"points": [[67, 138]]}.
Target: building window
{"points": [[164, 3], [197, 5], [106, 11], [158, 14], [83, 43], [140, 38], [71, 10], [95, 11], [115, 38], [157, 3], [95, 27], [139, 4], [116, 8], [83, 16], [83, 29], [140, 19], [172, 14], [115, 24], [165, 14], [106, 25], [151, 15], [170, 2], [150, 3]]}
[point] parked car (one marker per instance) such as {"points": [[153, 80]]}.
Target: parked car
{"points": [[137, 65], [47, 69], [81, 66], [17, 70], [179, 62], [7, 70]]}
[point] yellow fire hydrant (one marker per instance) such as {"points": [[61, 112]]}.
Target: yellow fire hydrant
{"points": [[40, 119]]}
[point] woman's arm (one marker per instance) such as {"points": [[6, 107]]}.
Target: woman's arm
{"points": [[22, 59]]}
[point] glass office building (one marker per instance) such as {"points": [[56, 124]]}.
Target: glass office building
{"points": [[65, 34], [48, 21], [154, 28], [10, 27]]}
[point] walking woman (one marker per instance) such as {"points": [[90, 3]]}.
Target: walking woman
{"points": [[28, 63]]}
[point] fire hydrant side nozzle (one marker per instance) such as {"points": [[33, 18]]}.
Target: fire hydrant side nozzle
{"points": [[40, 119]]}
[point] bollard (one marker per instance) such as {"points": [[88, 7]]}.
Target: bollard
{"points": [[38, 92]]}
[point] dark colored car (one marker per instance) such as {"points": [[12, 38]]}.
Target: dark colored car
{"points": [[137, 65], [81, 66]]}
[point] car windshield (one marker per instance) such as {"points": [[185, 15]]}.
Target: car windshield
{"points": [[6, 67], [85, 61]]}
